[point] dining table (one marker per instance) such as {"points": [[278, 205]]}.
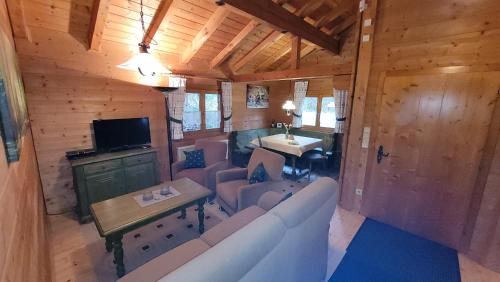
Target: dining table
{"points": [[294, 146]]}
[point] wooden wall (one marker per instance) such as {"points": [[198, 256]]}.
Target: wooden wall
{"points": [[483, 233], [24, 252], [431, 37], [244, 118], [62, 108]]}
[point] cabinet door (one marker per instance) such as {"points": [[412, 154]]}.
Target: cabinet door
{"points": [[105, 185], [140, 176]]}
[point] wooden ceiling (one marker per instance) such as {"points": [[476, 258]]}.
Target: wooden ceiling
{"points": [[235, 37]]}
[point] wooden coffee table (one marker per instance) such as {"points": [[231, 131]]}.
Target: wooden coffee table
{"points": [[117, 216]]}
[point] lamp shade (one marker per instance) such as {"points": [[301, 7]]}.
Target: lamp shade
{"points": [[146, 64], [288, 105]]}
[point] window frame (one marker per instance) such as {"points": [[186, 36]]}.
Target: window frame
{"points": [[317, 126], [204, 132]]}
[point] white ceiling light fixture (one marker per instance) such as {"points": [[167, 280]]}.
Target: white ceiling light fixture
{"points": [[144, 62]]}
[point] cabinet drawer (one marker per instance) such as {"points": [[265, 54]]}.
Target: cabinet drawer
{"points": [[139, 159], [102, 166]]}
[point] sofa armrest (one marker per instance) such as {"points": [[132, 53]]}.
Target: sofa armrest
{"points": [[250, 194], [211, 172], [176, 168], [231, 174]]}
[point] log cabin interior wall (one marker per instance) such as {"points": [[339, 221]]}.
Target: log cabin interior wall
{"points": [[413, 38], [24, 251], [59, 69]]}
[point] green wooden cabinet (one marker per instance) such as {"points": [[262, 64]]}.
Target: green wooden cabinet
{"points": [[109, 175]]}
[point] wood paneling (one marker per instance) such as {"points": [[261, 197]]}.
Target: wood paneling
{"points": [[24, 250], [484, 232], [434, 127], [414, 38], [62, 108], [244, 118]]}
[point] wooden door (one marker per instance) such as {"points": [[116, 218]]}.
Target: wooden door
{"points": [[434, 127]]}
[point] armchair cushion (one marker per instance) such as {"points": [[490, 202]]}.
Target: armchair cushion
{"points": [[258, 175], [194, 159], [228, 191], [195, 174]]}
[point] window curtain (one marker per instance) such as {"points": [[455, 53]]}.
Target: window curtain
{"points": [[176, 105], [340, 109], [227, 103], [300, 92]]}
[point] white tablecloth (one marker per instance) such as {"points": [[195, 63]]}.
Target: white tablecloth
{"points": [[279, 143]]}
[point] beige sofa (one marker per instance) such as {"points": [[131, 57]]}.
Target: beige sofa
{"points": [[287, 243]]}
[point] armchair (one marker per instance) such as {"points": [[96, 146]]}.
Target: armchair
{"points": [[215, 159], [234, 193]]}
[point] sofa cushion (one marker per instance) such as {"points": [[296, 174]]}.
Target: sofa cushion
{"points": [[302, 205], [229, 226], [194, 159], [168, 262], [228, 191], [195, 174]]}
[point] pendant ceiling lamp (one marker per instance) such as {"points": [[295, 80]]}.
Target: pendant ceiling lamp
{"points": [[143, 62], [289, 106]]}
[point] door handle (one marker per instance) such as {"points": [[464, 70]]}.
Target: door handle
{"points": [[381, 154]]}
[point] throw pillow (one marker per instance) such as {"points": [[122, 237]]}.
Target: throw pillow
{"points": [[194, 159], [258, 175]]}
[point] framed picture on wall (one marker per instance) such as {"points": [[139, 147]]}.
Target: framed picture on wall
{"points": [[13, 113], [257, 96]]}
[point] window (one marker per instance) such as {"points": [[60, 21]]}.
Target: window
{"points": [[191, 120], [327, 116], [212, 112], [309, 111], [202, 111]]}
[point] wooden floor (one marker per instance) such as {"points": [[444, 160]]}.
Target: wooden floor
{"points": [[68, 238]]}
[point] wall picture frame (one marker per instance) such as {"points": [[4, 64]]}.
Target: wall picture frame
{"points": [[257, 96], [13, 112]]}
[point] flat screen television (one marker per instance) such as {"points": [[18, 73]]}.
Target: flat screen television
{"points": [[121, 134]]}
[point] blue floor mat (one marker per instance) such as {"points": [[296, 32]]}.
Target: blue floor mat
{"points": [[380, 252]]}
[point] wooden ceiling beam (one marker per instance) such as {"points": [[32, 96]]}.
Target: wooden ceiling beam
{"points": [[161, 14], [295, 48], [308, 8], [305, 73], [17, 15], [275, 15], [208, 29], [97, 22], [235, 43], [348, 22], [336, 12], [270, 38]]}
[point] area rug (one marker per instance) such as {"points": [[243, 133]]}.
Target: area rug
{"points": [[380, 252], [150, 241]]}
